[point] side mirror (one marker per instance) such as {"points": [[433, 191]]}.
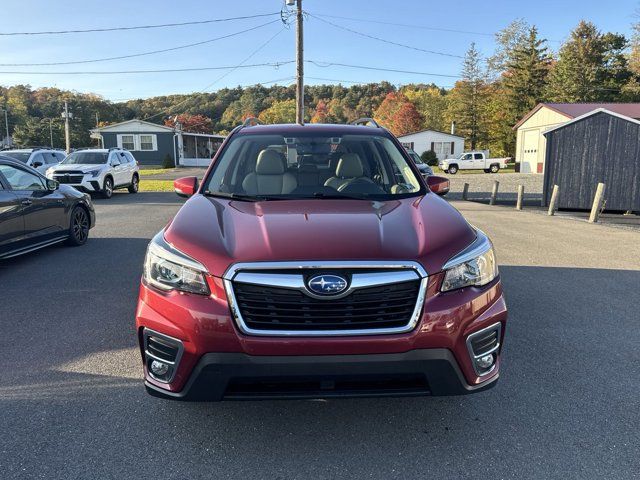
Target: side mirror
{"points": [[36, 164], [52, 185], [438, 185], [185, 186]]}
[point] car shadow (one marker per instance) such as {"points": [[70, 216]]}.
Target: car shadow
{"points": [[125, 198], [571, 342]]}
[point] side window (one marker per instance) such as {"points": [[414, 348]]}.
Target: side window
{"points": [[20, 179], [467, 156], [36, 159], [477, 156], [130, 157], [123, 158], [50, 158], [115, 161], [59, 156]]}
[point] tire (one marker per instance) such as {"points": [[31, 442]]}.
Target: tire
{"points": [[135, 184], [494, 168], [107, 188], [453, 169], [79, 227]]}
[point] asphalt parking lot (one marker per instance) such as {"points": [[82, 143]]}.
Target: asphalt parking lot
{"points": [[72, 404]]}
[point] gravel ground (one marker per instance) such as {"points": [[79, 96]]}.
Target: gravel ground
{"points": [[480, 186], [72, 403]]}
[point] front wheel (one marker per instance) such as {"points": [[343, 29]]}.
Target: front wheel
{"points": [[107, 188], [494, 168], [134, 185], [453, 169], [79, 228]]}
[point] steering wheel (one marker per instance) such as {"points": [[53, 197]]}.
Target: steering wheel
{"points": [[361, 185]]}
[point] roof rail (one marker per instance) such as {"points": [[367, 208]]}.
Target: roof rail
{"points": [[366, 122], [251, 121], [116, 148]]}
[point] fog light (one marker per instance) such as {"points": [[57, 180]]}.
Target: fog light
{"points": [[486, 361], [159, 369]]}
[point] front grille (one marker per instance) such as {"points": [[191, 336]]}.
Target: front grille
{"points": [[274, 308], [68, 178], [484, 342]]}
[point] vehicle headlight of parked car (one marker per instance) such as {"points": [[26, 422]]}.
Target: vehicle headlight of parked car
{"points": [[94, 173], [168, 269], [49, 173], [474, 267]]}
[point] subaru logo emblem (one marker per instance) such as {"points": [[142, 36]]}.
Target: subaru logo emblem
{"points": [[327, 284]]}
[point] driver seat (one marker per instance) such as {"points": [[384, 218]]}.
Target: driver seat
{"points": [[270, 177], [349, 169]]}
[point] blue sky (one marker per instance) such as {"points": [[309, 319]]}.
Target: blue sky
{"points": [[324, 43]]}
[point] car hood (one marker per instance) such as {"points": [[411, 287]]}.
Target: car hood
{"points": [[219, 232], [81, 167]]}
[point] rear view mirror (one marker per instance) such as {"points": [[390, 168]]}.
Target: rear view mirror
{"points": [[185, 186], [52, 185], [36, 164], [438, 185]]}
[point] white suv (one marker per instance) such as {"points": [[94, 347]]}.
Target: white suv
{"points": [[40, 158], [98, 170]]}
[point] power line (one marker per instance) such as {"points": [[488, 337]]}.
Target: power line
{"points": [[383, 40], [421, 27], [379, 69], [249, 57], [140, 27], [165, 70], [153, 52]]}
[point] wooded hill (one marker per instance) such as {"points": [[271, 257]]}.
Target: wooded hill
{"points": [[491, 95]]}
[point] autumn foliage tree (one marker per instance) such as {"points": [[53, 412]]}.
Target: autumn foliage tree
{"points": [[191, 123], [321, 114], [398, 114]]}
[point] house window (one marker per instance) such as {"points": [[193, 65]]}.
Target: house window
{"points": [[147, 142], [127, 141], [442, 148]]}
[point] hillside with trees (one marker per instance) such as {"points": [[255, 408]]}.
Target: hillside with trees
{"points": [[491, 95]]}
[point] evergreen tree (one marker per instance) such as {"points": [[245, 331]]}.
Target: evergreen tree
{"points": [[590, 67]]}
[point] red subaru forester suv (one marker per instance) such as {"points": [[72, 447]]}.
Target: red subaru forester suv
{"points": [[314, 261]]}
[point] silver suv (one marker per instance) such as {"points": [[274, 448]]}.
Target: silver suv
{"points": [[98, 170], [40, 158]]}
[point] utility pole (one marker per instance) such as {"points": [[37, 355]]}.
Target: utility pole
{"points": [[6, 125], [67, 132], [300, 65], [51, 131]]}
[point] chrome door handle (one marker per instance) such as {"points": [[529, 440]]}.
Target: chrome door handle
{"points": [[26, 201]]}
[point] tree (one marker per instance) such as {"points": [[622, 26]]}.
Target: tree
{"points": [[321, 113], [590, 67], [631, 89], [507, 41], [191, 123], [283, 111], [431, 103], [398, 114], [468, 99]]}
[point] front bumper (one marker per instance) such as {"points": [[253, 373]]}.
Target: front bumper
{"points": [[89, 184], [217, 355], [237, 376]]}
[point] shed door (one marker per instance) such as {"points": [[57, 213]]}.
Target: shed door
{"points": [[530, 153]]}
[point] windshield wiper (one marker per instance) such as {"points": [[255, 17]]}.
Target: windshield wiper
{"points": [[242, 197], [342, 196]]}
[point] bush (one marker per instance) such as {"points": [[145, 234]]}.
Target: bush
{"points": [[430, 158], [168, 162]]}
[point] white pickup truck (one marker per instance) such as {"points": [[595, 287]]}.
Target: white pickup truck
{"points": [[476, 160]]}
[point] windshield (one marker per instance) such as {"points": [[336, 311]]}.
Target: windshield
{"points": [[85, 158], [263, 167], [20, 156], [416, 158]]}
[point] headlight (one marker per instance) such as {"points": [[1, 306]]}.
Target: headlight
{"points": [[475, 266], [49, 173], [94, 173], [169, 269]]}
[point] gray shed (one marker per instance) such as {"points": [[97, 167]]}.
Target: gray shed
{"points": [[600, 146]]}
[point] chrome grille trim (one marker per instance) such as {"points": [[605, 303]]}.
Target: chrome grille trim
{"points": [[401, 271]]}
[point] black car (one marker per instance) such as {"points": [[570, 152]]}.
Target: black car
{"points": [[425, 169], [36, 212]]}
